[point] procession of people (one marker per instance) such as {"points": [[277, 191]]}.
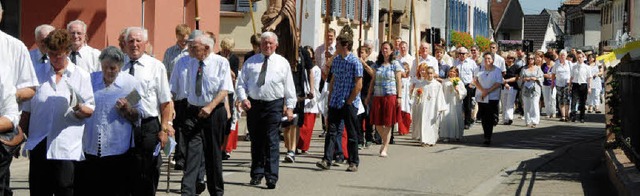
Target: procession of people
{"points": [[89, 113]]}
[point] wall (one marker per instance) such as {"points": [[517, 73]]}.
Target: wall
{"points": [[240, 28], [592, 30], [635, 19], [549, 36], [106, 19], [59, 13]]}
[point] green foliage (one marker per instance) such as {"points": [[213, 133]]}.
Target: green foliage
{"points": [[483, 43], [461, 39]]}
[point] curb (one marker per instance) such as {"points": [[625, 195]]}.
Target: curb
{"points": [[622, 173]]}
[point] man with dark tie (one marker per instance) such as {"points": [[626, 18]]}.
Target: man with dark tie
{"points": [[208, 82], [83, 55], [157, 112], [39, 54], [265, 87]]}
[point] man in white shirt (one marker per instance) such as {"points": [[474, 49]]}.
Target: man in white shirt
{"points": [[175, 52], [9, 117], [326, 51], [39, 54], [83, 55], [156, 105], [208, 83], [467, 68], [17, 71], [265, 87], [580, 86], [498, 61], [424, 56]]}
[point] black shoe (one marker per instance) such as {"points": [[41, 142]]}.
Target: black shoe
{"points": [[226, 156], [178, 166], [271, 184], [582, 120], [247, 137], [324, 164], [201, 186], [487, 142], [322, 134], [573, 119], [255, 181]]}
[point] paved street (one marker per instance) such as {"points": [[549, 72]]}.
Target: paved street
{"points": [[556, 158]]}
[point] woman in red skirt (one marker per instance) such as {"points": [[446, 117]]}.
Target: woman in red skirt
{"points": [[385, 89]]}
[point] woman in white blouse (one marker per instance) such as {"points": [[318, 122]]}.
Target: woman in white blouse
{"points": [[488, 82], [56, 120], [531, 78], [108, 134]]}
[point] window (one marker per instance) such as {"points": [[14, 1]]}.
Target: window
{"points": [[349, 9], [236, 5]]}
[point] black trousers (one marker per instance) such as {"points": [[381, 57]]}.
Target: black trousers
{"points": [[263, 121], [203, 137], [348, 114], [368, 132], [146, 167], [489, 112], [578, 96], [5, 176], [50, 177], [104, 175], [467, 106], [181, 115]]}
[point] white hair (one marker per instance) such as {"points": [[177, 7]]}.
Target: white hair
{"points": [[82, 24], [206, 40], [563, 52], [145, 34], [44, 29], [269, 34]]}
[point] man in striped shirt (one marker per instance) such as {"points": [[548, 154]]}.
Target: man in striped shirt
{"points": [[175, 52]]}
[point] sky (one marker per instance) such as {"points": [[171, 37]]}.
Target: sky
{"points": [[536, 6]]}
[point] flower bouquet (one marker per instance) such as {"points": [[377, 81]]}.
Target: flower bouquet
{"points": [[455, 81], [418, 95]]}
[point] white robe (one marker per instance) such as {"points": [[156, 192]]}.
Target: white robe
{"points": [[453, 126], [427, 110]]}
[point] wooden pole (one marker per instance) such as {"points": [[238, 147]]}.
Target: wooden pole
{"points": [[197, 16], [253, 22], [360, 34], [327, 20], [390, 20], [415, 31], [300, 22]]}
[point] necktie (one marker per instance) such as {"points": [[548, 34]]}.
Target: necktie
{"points": [[43, 59], [199, 79], [132, 70], [73, 57], [263, 71]]}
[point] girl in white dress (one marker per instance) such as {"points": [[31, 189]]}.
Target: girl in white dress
{"points": [[454, 93], [593, 98], [428, 106]]}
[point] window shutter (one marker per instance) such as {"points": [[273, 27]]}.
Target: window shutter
{"points": [[351, 9], [323, 7], [337, 8], [243, 6], [364, 10]]}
